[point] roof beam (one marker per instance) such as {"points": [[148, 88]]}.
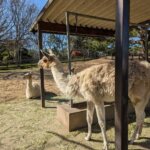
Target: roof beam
{"points": [[145, 22], [47, 27]]}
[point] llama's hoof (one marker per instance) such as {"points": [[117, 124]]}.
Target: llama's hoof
{"points": [[137, 136], [131, 142], [87, 138], [134, 138]]}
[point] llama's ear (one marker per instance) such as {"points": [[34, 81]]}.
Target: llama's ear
{"points": [[42, 52], [45, 54], [51, 52]]}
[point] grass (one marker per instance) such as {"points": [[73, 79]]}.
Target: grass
{"points": [[19, 70], [25, 125], [30, 65], [14, 66]]}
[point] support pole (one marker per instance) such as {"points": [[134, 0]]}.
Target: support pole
{"points": [[146, 45], [121, 75], [68, 41], [41, 69], [68, 47]]}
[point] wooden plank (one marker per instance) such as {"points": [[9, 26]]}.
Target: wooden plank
{"points": [[41, 69], [145, 22], [121, 78], [47, 27]]}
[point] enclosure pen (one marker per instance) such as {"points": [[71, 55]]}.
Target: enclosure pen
{"points": [[49, 21]]}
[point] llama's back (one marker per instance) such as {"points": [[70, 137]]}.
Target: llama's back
{"points": [[99, 80], [96, 80], [139, 81]]}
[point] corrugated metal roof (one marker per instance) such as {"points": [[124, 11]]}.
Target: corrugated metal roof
{"points": [[54, 12]]}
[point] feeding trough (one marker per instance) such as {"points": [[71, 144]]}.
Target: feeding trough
{"points": [[74, 117]]}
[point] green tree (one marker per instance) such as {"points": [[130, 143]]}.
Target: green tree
{"points": [[22, 15], [5, 24], [57, 43]]}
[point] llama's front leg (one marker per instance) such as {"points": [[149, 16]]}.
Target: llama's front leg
{"points": [[100, 110], [90, 111]]}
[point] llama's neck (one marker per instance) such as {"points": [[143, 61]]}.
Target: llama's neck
{"points": [[59, 77], [29, 83]]}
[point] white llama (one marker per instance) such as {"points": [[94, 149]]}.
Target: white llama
{"points": [[96, 85], [32, 88]]}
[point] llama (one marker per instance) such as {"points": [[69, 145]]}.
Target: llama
{"points": [[96, 84], [32, 88]]}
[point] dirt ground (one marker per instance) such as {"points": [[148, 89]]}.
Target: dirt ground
{"points": [[13, 86], [24, 125]]}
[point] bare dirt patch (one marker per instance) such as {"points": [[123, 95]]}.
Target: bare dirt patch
{"points": [[15, 89], [12, 85]]}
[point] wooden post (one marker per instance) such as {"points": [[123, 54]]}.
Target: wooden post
{"points": [[68, 41], [121, 77], [146, 45], [68, 48], [41, 69]]}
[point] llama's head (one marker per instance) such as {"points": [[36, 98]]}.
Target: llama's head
{"points": [[27, 75], [48, 60]]}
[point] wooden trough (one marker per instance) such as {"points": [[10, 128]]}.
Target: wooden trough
{"points": [[74, 117]]}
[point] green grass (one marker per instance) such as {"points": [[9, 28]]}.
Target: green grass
{"points": [[24, 125], [22, 66], [29, 65], [13, 67], [17, 70]]}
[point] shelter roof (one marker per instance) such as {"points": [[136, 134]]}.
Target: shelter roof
{"points": [[53, 14]]}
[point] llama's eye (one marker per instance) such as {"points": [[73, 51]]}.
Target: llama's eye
{"points": [[45, 60]]}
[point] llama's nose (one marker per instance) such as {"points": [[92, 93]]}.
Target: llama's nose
{"points": [[40, 64]]}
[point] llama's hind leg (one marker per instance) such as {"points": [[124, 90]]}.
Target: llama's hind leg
{"points": [[100, 111], [140, 115], [90, 111], [138, 129]]}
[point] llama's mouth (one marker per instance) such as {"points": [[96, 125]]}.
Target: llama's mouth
{"points": [[43, 67], [24, 77], [39, 65]]}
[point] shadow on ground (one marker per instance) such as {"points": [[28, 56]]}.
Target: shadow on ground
{"points": [[81, 145], [143, 144], [53, 98]]}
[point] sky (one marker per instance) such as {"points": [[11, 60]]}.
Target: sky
{"points": [[39, 3]]}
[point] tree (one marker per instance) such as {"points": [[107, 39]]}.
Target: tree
{"points": [[57, 43], [5, 25], [22, 16], [91, 46]]}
